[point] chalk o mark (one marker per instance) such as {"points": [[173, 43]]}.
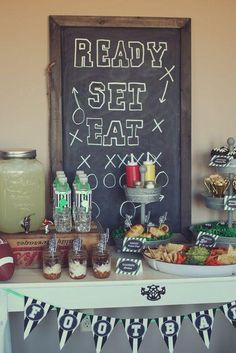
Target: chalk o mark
{"points": [[78, 116], [121, 181], [98, 210], [126, 211], [91, 176], [165, 175], [114, 180]]}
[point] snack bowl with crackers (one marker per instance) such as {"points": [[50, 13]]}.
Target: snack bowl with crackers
{"points": [[191, 260]]}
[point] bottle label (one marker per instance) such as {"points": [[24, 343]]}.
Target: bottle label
{"points": [[63, 199], [83, 199]]}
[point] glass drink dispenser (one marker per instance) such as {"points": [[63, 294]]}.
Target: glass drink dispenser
{"points": [[22, 190]]}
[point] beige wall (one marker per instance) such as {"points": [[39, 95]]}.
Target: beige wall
{"points": [[24, 59]]}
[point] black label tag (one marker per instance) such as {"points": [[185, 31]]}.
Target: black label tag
{"points": [[220, 161], [230, 203], [132, 244], [128, 266], [206, 239]]}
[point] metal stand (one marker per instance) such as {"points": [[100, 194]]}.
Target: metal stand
{"points": [[142, 195]]}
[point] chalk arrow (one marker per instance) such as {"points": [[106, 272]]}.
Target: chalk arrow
{"points": [[79, 115], [163, 99], [75, 92], [161, 197]]}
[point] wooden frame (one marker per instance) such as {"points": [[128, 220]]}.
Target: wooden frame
{"points": [[56, 23]]}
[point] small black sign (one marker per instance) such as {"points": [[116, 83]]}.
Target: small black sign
{"points": [[206, 239], [128, 266], [133, 244], [230, 203]]}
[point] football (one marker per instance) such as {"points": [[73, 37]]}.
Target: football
{"points": [[7, 264]]}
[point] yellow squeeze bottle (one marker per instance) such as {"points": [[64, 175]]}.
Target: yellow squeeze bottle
{"points": [[150, 174]]}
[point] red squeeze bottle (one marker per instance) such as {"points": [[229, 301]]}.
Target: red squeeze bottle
{"points": [[132, 173]]}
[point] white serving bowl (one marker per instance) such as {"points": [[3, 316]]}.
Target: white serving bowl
{"points": [[191, 270]]}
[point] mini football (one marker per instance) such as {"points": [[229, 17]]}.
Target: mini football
{"points": [[7, 265]]}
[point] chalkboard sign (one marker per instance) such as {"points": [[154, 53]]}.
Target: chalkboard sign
{"points": [[121, 85]]}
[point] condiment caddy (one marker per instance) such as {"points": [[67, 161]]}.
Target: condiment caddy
{"points": [[141, 186]]}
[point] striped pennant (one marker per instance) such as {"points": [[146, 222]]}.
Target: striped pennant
{"points": [[34, 312], [102, 327], [229, 310], [135, 330], [169, 327], [67, 323], [203, 322]]}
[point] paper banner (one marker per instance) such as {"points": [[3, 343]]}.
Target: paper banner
{"points": [[169, 327], [203, 322], [67, 323], [229, 310], [34, 312], [135, 330], [102, 327]]}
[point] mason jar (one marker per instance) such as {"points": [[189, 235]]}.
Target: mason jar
{"points": [[52, 264], [101, 263], [77, 261], [22, 190]]}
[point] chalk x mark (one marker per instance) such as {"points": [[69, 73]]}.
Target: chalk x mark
{"points": [[155, 158], [157, 125], [84, 161], [122, 160], [75, 137], [110, 161], [168, 74]]}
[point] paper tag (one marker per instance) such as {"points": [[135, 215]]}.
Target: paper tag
{"points": [[206, 239], [230, 203], [133, 244], [220, 161], [131, 267]]}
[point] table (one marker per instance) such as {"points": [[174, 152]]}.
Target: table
{"points": [[115, 292]]}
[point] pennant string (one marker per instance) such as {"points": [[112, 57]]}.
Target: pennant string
{"points": [[10, 291], [68, 321]]}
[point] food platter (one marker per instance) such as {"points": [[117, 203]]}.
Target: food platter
{"points": [[192, 260], [191, 270]]}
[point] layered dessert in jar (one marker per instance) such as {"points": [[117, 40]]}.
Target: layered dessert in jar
{"points": [[77, 261], [101, 263]]}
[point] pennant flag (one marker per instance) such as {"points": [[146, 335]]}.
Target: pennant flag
{"points": [[34, 312], [102, 327], [229, 310], [203, 322], [135, 330], [169, 328], [67, 322]]}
